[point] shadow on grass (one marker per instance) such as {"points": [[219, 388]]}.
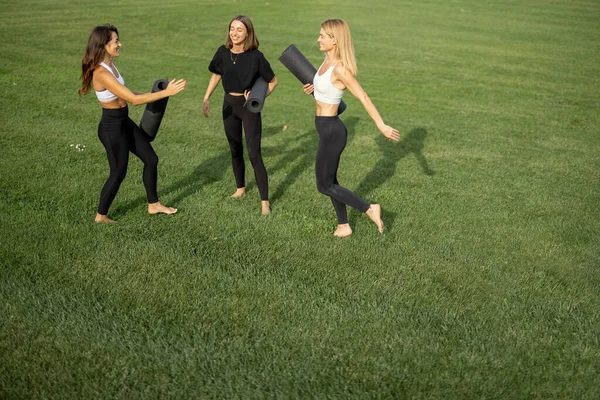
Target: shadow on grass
{"points": [[302, 155], [413, 142], [211, 170]]}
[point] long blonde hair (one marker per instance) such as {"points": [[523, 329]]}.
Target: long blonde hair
{"points": [[344, 51]]}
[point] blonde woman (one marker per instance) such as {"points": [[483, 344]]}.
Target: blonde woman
{"points": [[336, 74]]}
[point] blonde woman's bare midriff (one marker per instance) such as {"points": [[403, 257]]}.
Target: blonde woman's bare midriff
{"points": [[326, 110]]}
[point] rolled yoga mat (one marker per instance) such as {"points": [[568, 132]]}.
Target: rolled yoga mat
{"points": [[301, 68], [256, 98], [154, 112]]}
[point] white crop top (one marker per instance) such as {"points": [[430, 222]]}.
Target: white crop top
{"points": [[325, 92], [106, 95]]}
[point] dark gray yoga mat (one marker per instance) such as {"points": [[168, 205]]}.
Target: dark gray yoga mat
{"points": [[256, 98], [154, 112], [301, 68]]}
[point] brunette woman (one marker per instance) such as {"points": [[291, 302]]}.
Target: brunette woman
{"points": [[239, 64], [117, 132]]}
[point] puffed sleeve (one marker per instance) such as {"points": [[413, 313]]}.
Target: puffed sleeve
{"points": [[264, 68], [216, 64]]}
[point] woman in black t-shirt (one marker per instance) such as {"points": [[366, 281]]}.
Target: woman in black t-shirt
{"points": [[239, 64]]}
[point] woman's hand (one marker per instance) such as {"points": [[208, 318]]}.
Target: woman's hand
{"points": [[175, 86], [206, 108], [308, 88], [246, 93], [389, 132]]}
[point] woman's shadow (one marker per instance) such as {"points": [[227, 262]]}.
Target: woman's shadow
{"points": [[213, 169], [204, 174], [413, 142]]}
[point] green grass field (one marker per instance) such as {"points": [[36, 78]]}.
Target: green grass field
{"points": [[485, 284]]}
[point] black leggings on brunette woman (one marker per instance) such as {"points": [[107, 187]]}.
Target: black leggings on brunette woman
{"points": [[120, 135], [332, 141], [234, 116]]}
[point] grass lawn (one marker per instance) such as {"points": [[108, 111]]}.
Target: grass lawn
{"points": [[485, 283]]}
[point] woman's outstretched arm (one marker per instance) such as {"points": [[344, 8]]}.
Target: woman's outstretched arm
{"points": [[109, 82], [344, 76]]}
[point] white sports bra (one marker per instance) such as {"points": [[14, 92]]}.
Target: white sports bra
{"points": [[325, 92], [106, 95]]}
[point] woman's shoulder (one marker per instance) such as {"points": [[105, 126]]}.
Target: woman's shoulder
{"points": [[222, 49], [99, 70], [100, 76], [256, 53], [340, 70]]}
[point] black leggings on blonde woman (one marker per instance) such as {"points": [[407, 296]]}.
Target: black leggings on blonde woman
{"points": [[120, 135], [235, 115], [332, 141]]}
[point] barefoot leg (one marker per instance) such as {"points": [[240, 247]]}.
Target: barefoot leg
{"points": [[158, 208], [374, 212], [100, 218], [239, 192], [343, 230], [265, 207]]}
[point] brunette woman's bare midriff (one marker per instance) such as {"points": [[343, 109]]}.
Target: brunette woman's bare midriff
{"points": [[235, 94], [113, 104]]}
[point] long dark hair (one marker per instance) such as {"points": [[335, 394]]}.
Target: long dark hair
{"points": [[251, 42], [94, 54]]}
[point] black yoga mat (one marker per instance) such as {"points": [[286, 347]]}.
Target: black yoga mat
{"points": [[301, 68], [154, 112], [256, 98]]}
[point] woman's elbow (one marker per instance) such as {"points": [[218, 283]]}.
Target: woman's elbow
{"points": [[272, 86], [136, 101], [365, 100]]}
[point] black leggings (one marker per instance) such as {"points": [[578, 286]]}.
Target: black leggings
{"points": [[234, 115], [120, 135], [332, 140]]}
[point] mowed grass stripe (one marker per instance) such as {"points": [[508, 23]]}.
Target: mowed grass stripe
{"points": [[484, 284]]}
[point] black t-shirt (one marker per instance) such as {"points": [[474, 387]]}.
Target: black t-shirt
{"points": [[240, 76]]}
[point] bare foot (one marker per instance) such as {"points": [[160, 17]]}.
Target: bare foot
{"points": [[156, 208], [265, 207], [103, 219], [343, 230], [239, 192], [374, 212]]}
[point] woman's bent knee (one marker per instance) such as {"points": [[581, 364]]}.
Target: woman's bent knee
{"points": [[324, 188], [117, 175], [151, 161]]}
